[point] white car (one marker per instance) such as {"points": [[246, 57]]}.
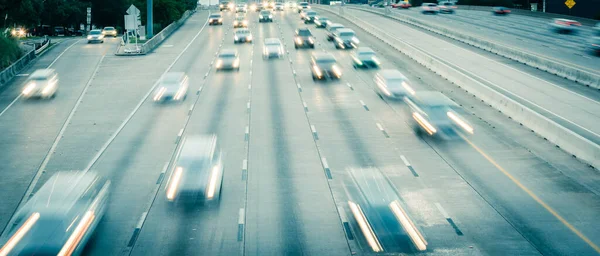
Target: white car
{"points": [[95, 36], [173, 87], [228, 59], [241, 8], [242, 36], [565, 25], [272, 48], [430, 8], [393, 84], [278, 7], [43, 83]]}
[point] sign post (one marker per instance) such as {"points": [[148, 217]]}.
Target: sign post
{"points": [[570, 3], [149, 19], [89, 20]]}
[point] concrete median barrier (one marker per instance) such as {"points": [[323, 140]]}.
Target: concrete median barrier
{"points": [[566, 139], [553, 66]]}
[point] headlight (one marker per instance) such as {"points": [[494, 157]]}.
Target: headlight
{"points": [[221, 6], [47, 89], [307, 7], [408, 88], [249, 38], [460, 122], [159, 94], [230, 6], [270, 16], [355, 40], [180, 93], [357, 61], [375, 60], [298, 40], [318, 71], [28, 88], [220, 19], [89, 37], [235, 23], [172, 190], [424, 123], [339, 40], [235, 38], [236, 63], [13, 32], [336, 70], [219, 63], [245, 22], [212, 184], [311, 40]]}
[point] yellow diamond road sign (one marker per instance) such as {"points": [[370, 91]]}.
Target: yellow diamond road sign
{"points": [[570, 3]]}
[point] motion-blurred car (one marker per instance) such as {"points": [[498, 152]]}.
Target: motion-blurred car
{"points": [[437, 115], [291, 5], [303, 6], [198, 173], [564, 26], [321, 22], [365, 57], [499, 10], [18, 32], [324, 66], [304, 38], [109, 31], [278, 7], [253, 7], [272, 48], [265, 16], [260, 7], [331, 29], [95, 36], [228, 59], [309, 17], [60, 31], [393, 84], [42, 83], [241, 8], [240, 22], [447, 7], [270, 5], [345, 38], [224, 6], [242, 35], [173, 86], [594, 41], [402, 4], [215, 19], [375, 205], [60, 218], [429, 8]]}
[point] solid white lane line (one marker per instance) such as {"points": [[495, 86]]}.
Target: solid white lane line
{"points": [[140, 103], [241, 215], [404, 160], [10, 105], [22, 74], [42, 168], [63, 52], [249, 86]]}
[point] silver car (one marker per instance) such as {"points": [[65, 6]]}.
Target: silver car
{"points": [[392, 84], [60, 218], [272, 48], [173, 86], [345, 38], [43, 83], [242, 36], [365, 57], [95, 36], [109, 31], [430, 8], [228, 59], [197, 175], [437, 115], [324, 66]]}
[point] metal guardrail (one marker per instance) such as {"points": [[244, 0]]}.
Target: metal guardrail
{"points": [[10, 72]]}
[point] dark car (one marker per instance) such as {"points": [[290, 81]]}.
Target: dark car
{"points": [[365, 57], [60, 31], [310, 17], [304, 38], [500, 10], [321, 22], [265, 16], [324, 66]]}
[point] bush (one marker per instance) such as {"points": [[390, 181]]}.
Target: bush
{"points": [[9, 51]]}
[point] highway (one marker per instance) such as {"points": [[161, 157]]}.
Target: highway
{"points": [[289, 144], [527, 33]]}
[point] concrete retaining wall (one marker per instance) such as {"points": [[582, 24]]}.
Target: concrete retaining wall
{"points": [[553, 132], [543, 63]]}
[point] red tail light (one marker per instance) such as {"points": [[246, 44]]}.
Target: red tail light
{"points": [[507, 11]]}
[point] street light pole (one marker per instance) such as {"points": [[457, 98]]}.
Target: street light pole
{"points": [[149, 19]]}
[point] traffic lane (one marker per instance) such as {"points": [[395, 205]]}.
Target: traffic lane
{"points": [[113, 93], [288, 196], [487, 133], [571, 110], [31, 126], [478, 213], [566, 48], [136, 160], [13, 88], [173, 44], [174, 230]]}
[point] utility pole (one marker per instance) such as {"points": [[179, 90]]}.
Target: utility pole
{"points": [[149, 24]]}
